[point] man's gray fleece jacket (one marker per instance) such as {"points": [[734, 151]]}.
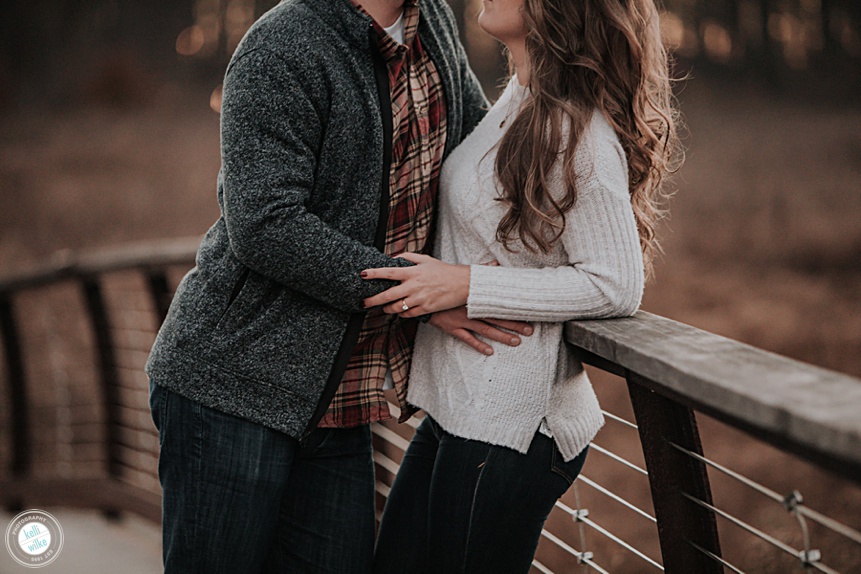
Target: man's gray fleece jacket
{"points": [[263, 326]]}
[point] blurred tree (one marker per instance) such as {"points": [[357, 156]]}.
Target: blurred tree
{"points": [[49, 48], [47, 44]]}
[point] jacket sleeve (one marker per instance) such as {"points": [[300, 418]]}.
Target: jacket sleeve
{"points": [[270, 136], [604, 274]]}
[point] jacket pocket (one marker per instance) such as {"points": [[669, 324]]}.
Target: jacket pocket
{"points": [[234, 294]]}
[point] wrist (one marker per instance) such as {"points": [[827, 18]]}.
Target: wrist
{"points": [[463, 294]]}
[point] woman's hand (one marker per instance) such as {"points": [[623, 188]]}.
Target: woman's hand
{"points": [[457, 324], [427, 287]]}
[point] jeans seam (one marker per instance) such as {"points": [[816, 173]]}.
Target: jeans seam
{"points": [[161, 405], [197, 414], [472, 507], [555, 468], [157, 412]]}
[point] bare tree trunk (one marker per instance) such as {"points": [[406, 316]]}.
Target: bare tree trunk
{"points": [[830, 44], [733, 23]]}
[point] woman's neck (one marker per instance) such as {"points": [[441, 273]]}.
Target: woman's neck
{"points": [[519, 59], [384, 12]]}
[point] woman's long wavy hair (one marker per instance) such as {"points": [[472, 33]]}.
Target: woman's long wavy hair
{"points": [[588, 54]]}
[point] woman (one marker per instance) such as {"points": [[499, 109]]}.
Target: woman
{"points": [[560, 183]]}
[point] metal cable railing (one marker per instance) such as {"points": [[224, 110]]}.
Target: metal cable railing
{"points": [[718, 559], [792, 502], [585, 558], [618, 458], [807, 560], [619, 419], [582, 515], [585, 480], [581, 528]]}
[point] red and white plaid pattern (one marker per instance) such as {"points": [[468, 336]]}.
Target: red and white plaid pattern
{"points": [[418, 141]]}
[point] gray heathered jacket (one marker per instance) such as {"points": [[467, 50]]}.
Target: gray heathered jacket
{"points": [[263, 326]]}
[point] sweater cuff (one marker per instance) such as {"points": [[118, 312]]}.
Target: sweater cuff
{"points": [[485, 284]]}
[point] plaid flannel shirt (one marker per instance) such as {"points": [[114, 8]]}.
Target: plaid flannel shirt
{"points": [[418, 140]]}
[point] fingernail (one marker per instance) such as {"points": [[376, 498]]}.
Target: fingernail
{"points": [[527, 330], [363, 274], [515, 341], [488, 351]]}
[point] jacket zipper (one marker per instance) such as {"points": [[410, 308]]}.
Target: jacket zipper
{"points": [[354, 325]]}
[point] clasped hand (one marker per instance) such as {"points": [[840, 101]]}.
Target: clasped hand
{"points": [[430, 285], [433, 286]]}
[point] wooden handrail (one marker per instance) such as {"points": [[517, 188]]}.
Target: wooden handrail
{"points": [[803, 409], [67, 264]]}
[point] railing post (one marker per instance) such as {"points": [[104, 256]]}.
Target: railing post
{"points": [[107, 368], [662, 421], [17, 388], [160, 292]]}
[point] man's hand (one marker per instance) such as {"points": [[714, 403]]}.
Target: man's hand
{"points": [[456, 323]]}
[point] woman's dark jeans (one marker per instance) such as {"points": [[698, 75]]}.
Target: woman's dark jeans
{"points": [[465, 506], [243, 498]]}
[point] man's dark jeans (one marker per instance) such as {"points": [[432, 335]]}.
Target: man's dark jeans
{"points": [[465, 506], [243, 498]]}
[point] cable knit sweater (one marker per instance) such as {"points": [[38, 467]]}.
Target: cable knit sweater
{"points": [[595, 270]]}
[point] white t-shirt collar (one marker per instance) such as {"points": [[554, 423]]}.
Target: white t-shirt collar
{"points": [[396, 30]]}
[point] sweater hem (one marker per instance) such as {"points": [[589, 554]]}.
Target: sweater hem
{"points": [[509, 436], [571, 435], [574, 435]]}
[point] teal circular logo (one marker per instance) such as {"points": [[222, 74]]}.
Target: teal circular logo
{"points": [[34, 538]]}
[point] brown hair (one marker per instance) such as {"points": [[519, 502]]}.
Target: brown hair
{"points": [[587, 55]]}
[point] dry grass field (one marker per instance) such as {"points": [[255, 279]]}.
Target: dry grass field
{"points": [[763, 245]]}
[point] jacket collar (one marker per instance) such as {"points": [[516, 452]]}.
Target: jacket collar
{"points": [[345, 18]]}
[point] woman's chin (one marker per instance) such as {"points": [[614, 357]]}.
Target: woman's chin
{"points": [[482, 16], [486, 27]]}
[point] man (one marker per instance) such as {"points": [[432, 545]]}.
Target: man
{"points": [[333, 131]]}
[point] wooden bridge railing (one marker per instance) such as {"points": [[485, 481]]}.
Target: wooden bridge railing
{"points": [[79, 433], [123, 430], [672, 370]]}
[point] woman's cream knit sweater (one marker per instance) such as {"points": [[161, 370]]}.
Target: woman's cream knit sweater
{"points": [[595, 270]]}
